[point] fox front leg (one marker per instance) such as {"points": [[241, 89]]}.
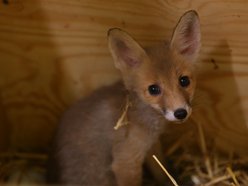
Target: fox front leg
{"points": [[127, 167], [128, 156], [127, 174]]}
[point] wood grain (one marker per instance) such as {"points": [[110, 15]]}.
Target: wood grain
{"points": [[52, 52]]}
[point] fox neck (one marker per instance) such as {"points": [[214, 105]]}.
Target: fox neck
{"points": [[144, 115]]}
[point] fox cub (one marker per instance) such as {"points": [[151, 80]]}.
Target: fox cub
{"points": [[157, 88]]}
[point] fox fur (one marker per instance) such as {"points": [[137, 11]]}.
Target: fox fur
{"points": [[88, 150]]}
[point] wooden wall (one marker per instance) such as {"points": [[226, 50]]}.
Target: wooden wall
{"points": [[54, 51]]}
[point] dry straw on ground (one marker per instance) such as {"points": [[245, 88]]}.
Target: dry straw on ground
{"points": [[204, 166], [209, 167], [22, 168]]}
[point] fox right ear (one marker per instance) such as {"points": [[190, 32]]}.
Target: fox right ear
{"points": [[186, 39], [126, 52]]}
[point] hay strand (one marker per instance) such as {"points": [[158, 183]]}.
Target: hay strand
{"points": [[204, 151], [232, 174], [217, 180], [123, 119], [165, 171]]}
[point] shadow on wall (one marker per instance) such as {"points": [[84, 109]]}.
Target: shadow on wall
{"points": [[32, 87], [220, 109], [29, 98], [38, 80]]}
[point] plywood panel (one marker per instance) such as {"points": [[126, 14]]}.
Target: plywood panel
{"points": [[54, 51]]}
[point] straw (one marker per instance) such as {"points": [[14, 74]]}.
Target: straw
{"points": [[121, 121], [165, 171]]}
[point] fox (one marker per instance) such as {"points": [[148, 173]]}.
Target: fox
{"points": [[157, 88]]}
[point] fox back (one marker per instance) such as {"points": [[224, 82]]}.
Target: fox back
{"points": [[157, 88]]}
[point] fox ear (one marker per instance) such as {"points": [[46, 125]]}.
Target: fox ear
{"points": [[126, 52], [186, 39]]}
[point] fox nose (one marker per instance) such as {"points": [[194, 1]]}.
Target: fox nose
{"points": [[180, 113]]}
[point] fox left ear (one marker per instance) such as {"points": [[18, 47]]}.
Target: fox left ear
{"points": [[186, 39]]}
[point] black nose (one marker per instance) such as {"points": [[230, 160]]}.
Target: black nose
{"points": [[180, 113]]}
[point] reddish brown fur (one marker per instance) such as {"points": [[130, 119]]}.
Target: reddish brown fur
{"points": [[88, 151], [164, 69]]}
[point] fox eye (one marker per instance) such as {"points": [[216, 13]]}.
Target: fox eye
{"points": [[184, 81], [154, 90]]}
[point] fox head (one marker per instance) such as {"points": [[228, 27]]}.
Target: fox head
{"points": [[162, 75]]}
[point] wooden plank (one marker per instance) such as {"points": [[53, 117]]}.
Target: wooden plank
{"points": [[53, 52]]}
